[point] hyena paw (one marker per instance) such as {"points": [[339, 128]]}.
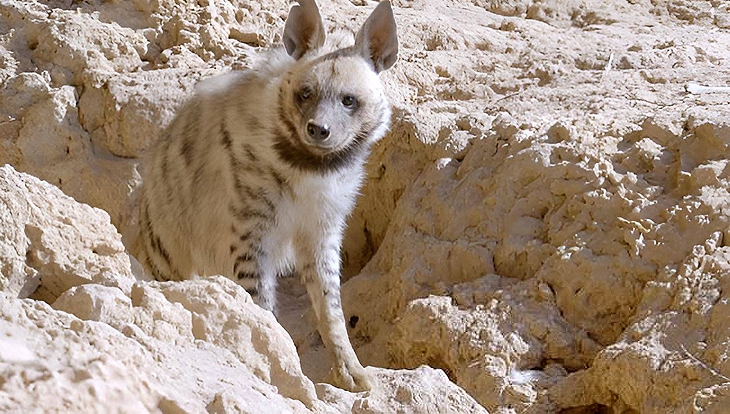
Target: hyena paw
{"points": [[352, 377]]}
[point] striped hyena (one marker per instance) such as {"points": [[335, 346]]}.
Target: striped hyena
{"points": [[257, 173]]}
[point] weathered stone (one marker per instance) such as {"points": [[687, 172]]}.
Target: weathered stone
{"points": [[546, 220], [51, 243]]}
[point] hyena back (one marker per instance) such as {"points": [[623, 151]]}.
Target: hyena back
{"points": [[257, 173]]}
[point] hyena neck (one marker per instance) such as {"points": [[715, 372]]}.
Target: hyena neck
{"points": [[298, 157]]}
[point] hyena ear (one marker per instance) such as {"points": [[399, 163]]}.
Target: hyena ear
{"points": [[304, 29], [378, 38]]}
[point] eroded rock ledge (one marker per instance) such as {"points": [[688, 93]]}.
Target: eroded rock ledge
{"points": [[546, 222]]}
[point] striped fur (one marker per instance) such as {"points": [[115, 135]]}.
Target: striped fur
{"points": [[238, 187]]}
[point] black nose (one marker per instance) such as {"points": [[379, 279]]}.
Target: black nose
{"points": [[318, 132]]}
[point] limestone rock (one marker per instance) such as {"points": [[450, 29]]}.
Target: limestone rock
{"points": [[51, 243], [49, 365], [70, 365], [677, 343], [546, 221], [127, 113], [601, 249], [417, 391], [193, 346], [212, 320]]}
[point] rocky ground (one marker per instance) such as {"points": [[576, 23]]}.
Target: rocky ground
{"points": [[544, 229]]}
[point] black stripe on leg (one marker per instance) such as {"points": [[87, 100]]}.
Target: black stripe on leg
{"points": [[186, 150], [247, 192], [236, 166], [154, 245], [241, 260], [154, 240], [156, 274], [198, 178], [150, 262], [246, 275], [246, 257]]}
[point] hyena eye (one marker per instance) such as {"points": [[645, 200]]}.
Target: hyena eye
{"points": [[349, 101]]}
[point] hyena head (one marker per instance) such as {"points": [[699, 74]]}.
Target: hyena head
{"points": [[332, 106]]}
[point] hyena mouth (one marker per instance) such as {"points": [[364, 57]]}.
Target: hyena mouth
{"points": [[321, 148]]}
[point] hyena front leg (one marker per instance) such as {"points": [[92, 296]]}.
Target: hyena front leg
{"points": [[266, 287], [320, 272]]}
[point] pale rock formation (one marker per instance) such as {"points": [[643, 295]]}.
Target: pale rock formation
{"points": [[421, 390], [205, 334], [546, 222], [609, 262], [148, 360], [51, 243]]}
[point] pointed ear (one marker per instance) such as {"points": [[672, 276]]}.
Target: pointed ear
{"points": [[378, 38], [304, 29]]}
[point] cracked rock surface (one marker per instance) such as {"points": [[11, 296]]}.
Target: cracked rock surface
{"points": [[543, 230]]}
